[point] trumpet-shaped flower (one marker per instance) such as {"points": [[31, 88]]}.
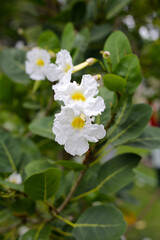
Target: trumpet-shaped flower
{"points": [[15, 178], [62, 69], [37, 63], [75, 130], [81, 96]]}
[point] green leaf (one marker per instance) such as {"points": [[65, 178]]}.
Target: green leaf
{"points": [[29, 235], [43, 185], [6, 89], [48, 40], [108, 99], [12, 63], [5, 215], [68, 37], [32, 33], [111, 176], [149, 139], [117, 173], [42, 233], [81, 45], [37, 166], [42, 127], [88, 182], [10, 152], [23, 206], [129, 68], [99, 32], [118, 46], [114, 7], [71, 165], [15, 186], [100, 223], [133, 126], [114, 83]]}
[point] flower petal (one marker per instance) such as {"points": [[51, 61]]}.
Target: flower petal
{"points": [[53, 72], [90, 85], [94, 132], [76, 146], [94, 106]]}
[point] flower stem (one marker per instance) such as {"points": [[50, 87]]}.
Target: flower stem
{"points": [[36, 86]]}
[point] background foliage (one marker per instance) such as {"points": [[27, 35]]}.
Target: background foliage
{"points": [[26, 140]]}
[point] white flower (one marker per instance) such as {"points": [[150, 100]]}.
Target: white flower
{"points": [[37, 63], [22, 230], [15, 178], [75, 130], [81, 96], [62, 70]]}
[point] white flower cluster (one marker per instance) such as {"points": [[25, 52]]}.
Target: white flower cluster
{"points": [[73, 126]]}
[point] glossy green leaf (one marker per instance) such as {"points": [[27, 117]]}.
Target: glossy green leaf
{"points": [[71, 165], [42, 127], [100, 223], [6, 89], [108, 99], [42, 233], [149, 139], [37, 166], [15, 186], [114, 7], [129, 68], [114, 83], [12, 63], [43, 185], [99, 32], [48, 40], [68, 37], [32, 33], [81, 43], [88, 182], [133, 126], [23, 206], [5, 215], [10, 152], [117, 173], [118, 46]]}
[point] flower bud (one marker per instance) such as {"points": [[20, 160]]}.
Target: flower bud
{"points": [[105, 54], [91, 61]]}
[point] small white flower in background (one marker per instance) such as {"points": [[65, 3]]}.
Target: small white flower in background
{"points": [[62, 69], [22, 230], [75, 130], [15, 178], [81, 97], [37, 63]]}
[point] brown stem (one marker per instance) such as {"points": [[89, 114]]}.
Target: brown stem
{"points": [[73, 189]]}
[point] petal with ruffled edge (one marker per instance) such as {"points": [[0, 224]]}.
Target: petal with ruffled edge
{"points": [[89, 85], [53, 72], [94, 132], [94, 106], [76, 146], [63, 58]]}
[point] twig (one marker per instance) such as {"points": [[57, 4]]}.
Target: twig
{"points": [[73, 189]]}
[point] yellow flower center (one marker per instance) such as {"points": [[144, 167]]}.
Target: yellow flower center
{"points": [[40, 62], [67, 68], [78, 97], [78, 122], [13, 181]]}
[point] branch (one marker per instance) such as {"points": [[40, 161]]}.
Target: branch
{"points": [[73, 189]]}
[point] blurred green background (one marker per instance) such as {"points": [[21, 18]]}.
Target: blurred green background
{"points": [[22, 22]]}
